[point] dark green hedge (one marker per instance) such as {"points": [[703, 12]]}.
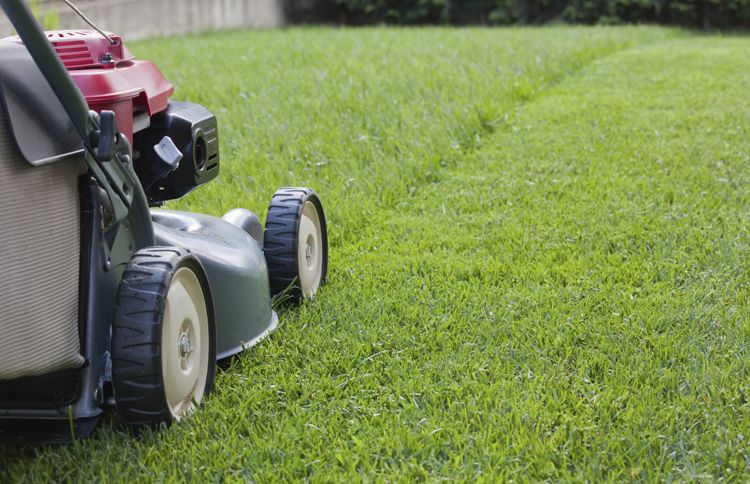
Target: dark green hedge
{"points": [[691, 13]]}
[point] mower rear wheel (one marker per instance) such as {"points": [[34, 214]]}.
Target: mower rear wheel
{"points": [[163, 345], [296, 243]]}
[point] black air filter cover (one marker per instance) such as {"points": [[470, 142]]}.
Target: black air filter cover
{"points": [[194, 131]]}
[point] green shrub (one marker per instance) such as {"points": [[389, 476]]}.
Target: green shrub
{"points": [[691, 13]]}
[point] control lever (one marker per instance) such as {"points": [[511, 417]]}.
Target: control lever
{"points": [[104, 137], [166, 161]]}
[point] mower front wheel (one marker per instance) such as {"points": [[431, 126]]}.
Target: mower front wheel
{"points": [[163, 342], [295, 243]]}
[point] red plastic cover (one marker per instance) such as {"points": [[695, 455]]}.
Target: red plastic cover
{"points": [[106, 72]]}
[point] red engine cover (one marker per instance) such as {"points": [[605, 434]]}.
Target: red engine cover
{"points": [[109, 77]]}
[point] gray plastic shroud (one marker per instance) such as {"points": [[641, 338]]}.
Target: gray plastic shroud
{"points": [[42, 129], [236, 270]]}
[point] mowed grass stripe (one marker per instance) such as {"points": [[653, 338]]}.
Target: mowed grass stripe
{"points": [[602, 242], [365, 115]]}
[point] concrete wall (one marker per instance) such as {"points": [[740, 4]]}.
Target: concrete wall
{"points": [[135, 19]]}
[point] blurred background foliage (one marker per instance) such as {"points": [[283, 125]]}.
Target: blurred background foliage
{"points": [[705, 14]]}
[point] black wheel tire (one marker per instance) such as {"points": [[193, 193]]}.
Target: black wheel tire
{"points": [[281, 244], [138, 376]]}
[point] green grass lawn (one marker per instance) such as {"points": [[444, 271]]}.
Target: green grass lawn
{"points": [[539, 267]]}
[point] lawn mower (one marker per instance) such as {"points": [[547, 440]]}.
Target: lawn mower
{"points": [[108, 300]]}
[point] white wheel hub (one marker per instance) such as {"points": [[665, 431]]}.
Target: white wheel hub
{"points": [[309, 250], [184, 343]]}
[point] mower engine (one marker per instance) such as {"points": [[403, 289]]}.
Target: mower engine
{"points": [[175, 144]]}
